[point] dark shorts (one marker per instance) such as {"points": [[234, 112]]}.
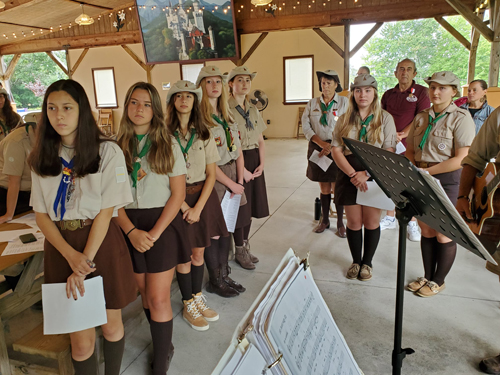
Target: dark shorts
{"points": [[345, 191], [450, 182], [314, 172]]}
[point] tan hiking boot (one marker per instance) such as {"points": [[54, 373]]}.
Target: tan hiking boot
{"points": [[243, 259], [253, 258], [353, 271], [209, 314], [193, 317], [366, 273], [417, 284]]}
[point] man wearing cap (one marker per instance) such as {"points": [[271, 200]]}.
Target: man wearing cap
{"points": [[403, 102], [318, 122]]}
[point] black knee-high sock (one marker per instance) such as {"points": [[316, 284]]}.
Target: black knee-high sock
{"points": [[340, 215], [325, 206], [185, 285], [113, 355], [148, 314], [86, 367], [246, 231], [224, 245], [355, 241], [197, 277], [238, 236], [211, 255], [372, 237], [428, 247], [445, 258], [161, 334]]}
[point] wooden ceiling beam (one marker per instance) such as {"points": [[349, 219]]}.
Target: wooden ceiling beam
{"points": [[329, 41], [78, 62], [456, 34], [20, 25], [365, 39], [147, 68], [90, 4], [252, 49], [11, 67], [470, 17]]}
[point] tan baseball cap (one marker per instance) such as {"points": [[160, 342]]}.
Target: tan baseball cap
{"points": [[331, 73], [241, 71], [444, 78], [364, 80], [184, 86], [210, 71]]}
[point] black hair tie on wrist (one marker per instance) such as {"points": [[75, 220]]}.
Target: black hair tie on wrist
{"points": [[130, 231]]}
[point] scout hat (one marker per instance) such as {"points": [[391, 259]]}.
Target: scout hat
{"points": [[364, 80], [331, 73], [184, 86], [240, 70], [445, 78], [210, 71], [3, 91]]}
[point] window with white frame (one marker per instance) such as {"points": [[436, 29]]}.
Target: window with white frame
{"points": [[104, 87], [298, 79], [190, 72]]}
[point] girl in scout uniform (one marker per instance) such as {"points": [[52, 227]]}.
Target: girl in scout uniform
{"points": [[78, 184], [9, 119], [152, 223], [318, 121], [201, 208], [439, 139], [229, 173], [250, 128], [365, 121]]}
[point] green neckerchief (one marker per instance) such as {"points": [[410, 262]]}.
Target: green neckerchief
{"points": [[137, 158], [324, 111], [432, 121], [229, 139], [189, 144], [363, 132]]}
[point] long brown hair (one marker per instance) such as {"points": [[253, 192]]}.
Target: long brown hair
{"points": [[352, 119], [195, 118], [160, 156], [44, 159], [11, 117], [222, 106]]}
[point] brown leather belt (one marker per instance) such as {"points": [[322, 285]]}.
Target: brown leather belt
{"points": [[194, 188], [73, 224], [425, 164]]}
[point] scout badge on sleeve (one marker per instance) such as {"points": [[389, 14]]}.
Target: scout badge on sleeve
{"points": [[412, 98], [441, 146]]}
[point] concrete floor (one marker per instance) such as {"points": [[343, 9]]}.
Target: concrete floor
{"points": [[450, 332]]}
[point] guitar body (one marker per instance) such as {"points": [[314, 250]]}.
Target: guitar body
{"points": [[485, 203]]}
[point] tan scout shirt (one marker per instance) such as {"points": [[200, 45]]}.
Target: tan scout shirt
{"points": [[219, 135], [153, 190], [14, 151], [249, 138], [388, 136], [2, 132], [312, 114], [92, 193], [486, 144], [450, 133], [200, 154]]}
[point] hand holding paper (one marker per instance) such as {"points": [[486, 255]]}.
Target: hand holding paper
{"points": [[323, 162]]}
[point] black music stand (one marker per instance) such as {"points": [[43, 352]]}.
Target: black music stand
{"points": [[415, 194]]}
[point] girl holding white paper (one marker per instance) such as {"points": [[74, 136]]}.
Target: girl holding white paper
{"points": [[229, 173], [365, 121], [78, 185]]}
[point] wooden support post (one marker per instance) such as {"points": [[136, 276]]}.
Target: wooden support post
{"points": [[148, 72], [470, 17], [495, 45], [147, 68], [58, 63], [347, 33], [80, 59], [453, 32], [330, 42], [474, 42], [252, 49], [365, 39], [68, 64], [11, 67]]}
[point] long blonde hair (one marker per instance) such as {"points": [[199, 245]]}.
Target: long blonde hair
{"points": [[160, 156], [352, 119], [222, 106]]}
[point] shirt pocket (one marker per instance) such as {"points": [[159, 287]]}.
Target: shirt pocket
{"points": [[442, 143], [91, 195]]}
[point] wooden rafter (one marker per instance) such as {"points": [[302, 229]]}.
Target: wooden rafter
{"points": [[59, 64], [329, 41], [495, 46], [456, 34], [474, 42], [24, 25], [347, 33], [11, 67], [474, 20], [147, 68], [365, 39], [80, 59], [252, 49], [90, 4]]}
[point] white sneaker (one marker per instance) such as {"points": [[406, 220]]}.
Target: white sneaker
{"points": [[413, 231], [388, 222]]}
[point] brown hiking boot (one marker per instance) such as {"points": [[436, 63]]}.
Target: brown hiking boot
{"points": [[226, 270], [209, 314], [253, 258], [243, 259], [218, 286], [490, 365], [193, 317]]}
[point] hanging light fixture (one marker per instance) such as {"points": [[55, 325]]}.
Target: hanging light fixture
{"points": [[258, 3], [84, 19]]}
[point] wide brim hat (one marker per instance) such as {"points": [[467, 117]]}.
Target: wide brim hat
{"points": [[184, 86], [3, 91], [445, 78], [364, 80], [210, 71], [331, 73], [240, 71]]}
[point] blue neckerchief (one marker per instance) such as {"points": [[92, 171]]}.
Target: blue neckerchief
{"points": [[63, 186]]}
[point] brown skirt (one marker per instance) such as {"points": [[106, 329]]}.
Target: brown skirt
{"points": [[112, 263], [345, 191], [255, 191], [450, 182], [211, 222], [172, 248], [314, 172], [229, 170]]}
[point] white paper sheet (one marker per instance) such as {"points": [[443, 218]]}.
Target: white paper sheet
{"points": [[323, 162], [26, 219], [233, 363], [400, 148], [252, 363], [17, 247], [374, 197], [230, 207], [11, 235], [65, 315]]}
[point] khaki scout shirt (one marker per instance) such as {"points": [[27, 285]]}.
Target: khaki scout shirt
{"points": [[106, 188], [486, 144], [388, 136], [249, 138], [219, 135], [311, 124], [450, 133], [14, 151], [153, 190], [200, 154]]}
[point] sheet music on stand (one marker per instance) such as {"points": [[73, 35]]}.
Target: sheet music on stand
{"points": [[290, 329]]}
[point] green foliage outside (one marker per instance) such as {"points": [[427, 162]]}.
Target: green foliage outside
{"points": [[33, 74], [429, 45]]}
